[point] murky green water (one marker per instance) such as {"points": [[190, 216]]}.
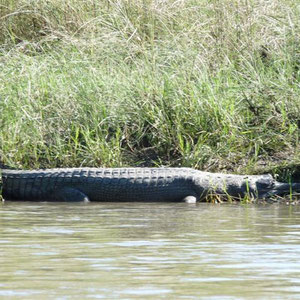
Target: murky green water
{"points": [[149, 251]]}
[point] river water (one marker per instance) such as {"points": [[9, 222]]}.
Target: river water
{"points": [[149, 251]]}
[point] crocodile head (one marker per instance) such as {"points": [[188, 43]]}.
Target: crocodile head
{"points": [[266, 187]]}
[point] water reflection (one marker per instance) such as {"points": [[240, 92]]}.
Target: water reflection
{"points": [[135, 250]]}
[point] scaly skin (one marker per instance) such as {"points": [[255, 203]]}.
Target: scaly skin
{"points": [[134, 184]]}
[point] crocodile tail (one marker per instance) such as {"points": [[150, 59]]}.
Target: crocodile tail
{"points": [[2, 166]]}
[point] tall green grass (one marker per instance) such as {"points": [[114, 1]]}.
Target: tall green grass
{"points": [[213, 85]]}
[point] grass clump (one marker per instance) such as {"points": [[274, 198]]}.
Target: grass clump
{"points": [[213, 85]]}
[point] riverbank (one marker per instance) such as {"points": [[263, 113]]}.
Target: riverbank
{"points": [[209, 85]]}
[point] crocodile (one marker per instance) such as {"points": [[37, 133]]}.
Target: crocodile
{"points": [[135, 184]]}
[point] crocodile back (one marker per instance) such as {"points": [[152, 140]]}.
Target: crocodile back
{"points": [[101, 184]]}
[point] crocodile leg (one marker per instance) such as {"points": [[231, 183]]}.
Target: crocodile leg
{"points": [[70, 195]]}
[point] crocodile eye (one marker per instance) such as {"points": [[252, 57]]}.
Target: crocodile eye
{"points": [[265, 181]]}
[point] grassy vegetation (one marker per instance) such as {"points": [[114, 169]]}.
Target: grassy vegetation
{"points": [[213, 85]]}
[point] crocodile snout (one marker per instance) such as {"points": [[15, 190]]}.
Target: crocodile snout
{"points": [[282, 188]]}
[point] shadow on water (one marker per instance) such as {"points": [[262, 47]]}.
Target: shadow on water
{"points": [[161, 250]]}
